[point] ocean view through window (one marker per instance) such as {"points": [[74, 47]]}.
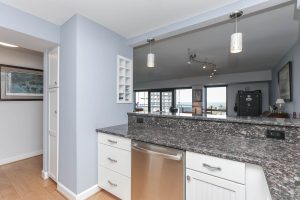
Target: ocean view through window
{"points": [[216, 100]]}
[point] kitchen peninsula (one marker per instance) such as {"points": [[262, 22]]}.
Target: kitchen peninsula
{"points": [[245, 140]]}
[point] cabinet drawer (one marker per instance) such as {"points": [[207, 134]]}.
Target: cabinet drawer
{"points": [[227, 169], [115, 141], [118, 160], [115, 183]]}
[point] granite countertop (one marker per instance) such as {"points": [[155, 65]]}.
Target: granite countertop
{"points": [[280, 160], [247, 120]]}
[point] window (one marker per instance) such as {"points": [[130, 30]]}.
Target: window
{"points": [[216, 103], [161, 100], [141, 100], [184, 100]]}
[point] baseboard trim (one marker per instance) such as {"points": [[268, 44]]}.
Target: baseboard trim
{"points": [[88, 193], [20, 157], [44, 175], [72, 196], [66, 191]]}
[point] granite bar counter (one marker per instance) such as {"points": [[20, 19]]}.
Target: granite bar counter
{"points": [[280, 159]]}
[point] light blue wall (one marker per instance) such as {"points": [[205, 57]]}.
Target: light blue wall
{"points": [[88, 97], [97, 53], [22, 22], [67, 137], [294, 56]]}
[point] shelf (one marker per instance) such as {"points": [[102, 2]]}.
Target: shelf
{"points": [[124, 80]]}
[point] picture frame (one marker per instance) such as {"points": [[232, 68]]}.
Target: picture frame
{"points": [[197, 95], [285, 82], [20, 83]]}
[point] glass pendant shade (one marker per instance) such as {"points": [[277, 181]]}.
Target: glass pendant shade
{"points": [[151, 60], [236, 43]]}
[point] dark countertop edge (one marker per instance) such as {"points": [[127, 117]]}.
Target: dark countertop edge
{"points": [[231, 119]]}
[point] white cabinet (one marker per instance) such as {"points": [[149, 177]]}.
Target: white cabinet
{"points": [[53, 132], [53, 112], [200, 186], [211, 178], [114, 165], [53, 71], [124, 80]]}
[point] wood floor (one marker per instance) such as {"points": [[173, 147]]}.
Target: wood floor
{"points": [[22, 181]]}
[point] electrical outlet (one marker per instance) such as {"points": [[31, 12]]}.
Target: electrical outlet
{"points": [[139, 120], [275, 134]]}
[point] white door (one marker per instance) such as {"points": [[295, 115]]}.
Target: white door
{"points": [[53, 75], [53, 132], [200, 186]]}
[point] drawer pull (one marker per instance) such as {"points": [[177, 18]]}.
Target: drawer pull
{"points": [[112, 184], [112, 160], [112, 141], [211, 168]]}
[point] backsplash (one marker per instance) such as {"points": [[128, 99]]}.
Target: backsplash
{"points": [[292, 134]]}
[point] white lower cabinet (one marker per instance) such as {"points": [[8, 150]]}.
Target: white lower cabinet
{"points": [[200, 186], [211, 178], [114, 167]]}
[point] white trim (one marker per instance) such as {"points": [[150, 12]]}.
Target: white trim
{"points": [[66, 191], [44, 175], [20, 157], [88, 193], [72, 196]]}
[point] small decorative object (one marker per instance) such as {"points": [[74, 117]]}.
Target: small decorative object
{"points": [[294, 115], [20, 83], [173, 110], [285, 82], [280, 103]]}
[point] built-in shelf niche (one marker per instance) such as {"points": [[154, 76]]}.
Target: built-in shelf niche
{"points": [[124, 80]]}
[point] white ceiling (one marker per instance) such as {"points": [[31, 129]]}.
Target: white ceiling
{"points": [[126, 17], [267, 38]]}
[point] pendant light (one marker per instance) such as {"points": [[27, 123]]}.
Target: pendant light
{"points": [[150, 56], [236, 44]]}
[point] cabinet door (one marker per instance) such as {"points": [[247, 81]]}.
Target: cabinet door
{"points": [[53, 131], [200, 186], [53, 75]]}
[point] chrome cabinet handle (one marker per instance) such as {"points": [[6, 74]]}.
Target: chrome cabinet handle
{"points": [[188, 178], [112, 141], [211, 167], [112, 160], [112, 184]]}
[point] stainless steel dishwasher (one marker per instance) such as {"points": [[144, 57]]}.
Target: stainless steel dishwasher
{"points": [[157, 173]]}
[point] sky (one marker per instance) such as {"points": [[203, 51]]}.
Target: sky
{"points": [[216, 94]]}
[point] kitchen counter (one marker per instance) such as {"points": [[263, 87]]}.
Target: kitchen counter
{"points": [[279, 159], [206, 117]]}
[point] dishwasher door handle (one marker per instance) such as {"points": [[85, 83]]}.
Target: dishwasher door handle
{"points": [[177, 157]]}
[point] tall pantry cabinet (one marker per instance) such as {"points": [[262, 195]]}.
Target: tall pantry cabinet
{"points": [[53, 112]]}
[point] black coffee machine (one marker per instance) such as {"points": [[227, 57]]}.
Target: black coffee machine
{"points": [[248, 103]]}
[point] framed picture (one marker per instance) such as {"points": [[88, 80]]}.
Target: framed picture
{"points": [[20, 83], [197, 95], [285, 82]]}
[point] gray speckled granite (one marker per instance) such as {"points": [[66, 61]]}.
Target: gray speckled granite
{"points": [[280, 160], [214, 126], [247, 120]]}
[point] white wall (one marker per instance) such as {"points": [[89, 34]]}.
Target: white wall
{"points": [[234, 88], [205, 80], [20, 121], [294, 56]]}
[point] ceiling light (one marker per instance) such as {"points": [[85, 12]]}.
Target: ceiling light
{"points": [[210, 76], [7, 45], [215, 70], [236, 44], [189, 62], [150, 56], [204, 67]]}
